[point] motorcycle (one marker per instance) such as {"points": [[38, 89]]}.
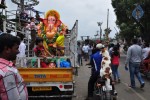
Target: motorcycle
{"points": [[145, 68], [105, 92]]}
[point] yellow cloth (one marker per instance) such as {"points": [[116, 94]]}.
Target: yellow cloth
{"points": [[45, 44], [60, 41]]}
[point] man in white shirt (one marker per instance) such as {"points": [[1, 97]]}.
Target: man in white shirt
{"points": [[85, 49], [21, 61]]}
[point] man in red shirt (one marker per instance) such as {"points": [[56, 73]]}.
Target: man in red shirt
{"points": [[12, 86]]}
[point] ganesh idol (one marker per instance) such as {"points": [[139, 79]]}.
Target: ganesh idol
{"points": [[52, 30]]}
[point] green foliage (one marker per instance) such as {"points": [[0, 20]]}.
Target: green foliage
{"points": [[2, 17], [129, 27]]}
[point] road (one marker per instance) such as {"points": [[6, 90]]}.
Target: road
{"points": [[124, 92]]}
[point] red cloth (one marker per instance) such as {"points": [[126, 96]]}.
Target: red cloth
{"points": [[44, 65], [39, 51], [38, 48]]}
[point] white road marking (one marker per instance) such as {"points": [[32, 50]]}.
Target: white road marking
{"points": [[140, 96]]}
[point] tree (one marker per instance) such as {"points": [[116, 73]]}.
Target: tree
{"points": [[129, 27]]}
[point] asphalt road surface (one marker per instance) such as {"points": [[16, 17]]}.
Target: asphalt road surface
{"points": [[124, 92]]}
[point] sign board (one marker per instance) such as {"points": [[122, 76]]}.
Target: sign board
{"points": [[138, 13]]}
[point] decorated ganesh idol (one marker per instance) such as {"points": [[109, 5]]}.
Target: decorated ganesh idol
{"points": [[52, 30]]}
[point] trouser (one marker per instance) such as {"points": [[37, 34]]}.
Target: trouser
{"points": [[134, 69], [91, 83], [33, 38], [80, 59], [21, 62], [86, 56], [115, 71]]}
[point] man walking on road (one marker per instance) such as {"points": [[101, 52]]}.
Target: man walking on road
{"points": [[133, 60], [85, 49], [79, 53]]}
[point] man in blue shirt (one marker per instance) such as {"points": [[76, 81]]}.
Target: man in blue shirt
{"points": [[95, 62]]}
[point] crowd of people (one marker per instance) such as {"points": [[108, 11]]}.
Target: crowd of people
{"points": [[104, 65], [102, 69], [104, 62], [21, 61]]}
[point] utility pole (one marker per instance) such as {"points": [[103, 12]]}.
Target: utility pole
{"points": [[97, 32], [22, 5], [107, 18], [107, 30]]}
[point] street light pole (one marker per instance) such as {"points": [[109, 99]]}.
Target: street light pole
{"points": [[100, 24], [97, 32], [107, 18]]}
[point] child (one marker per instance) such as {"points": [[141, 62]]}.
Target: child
{"points": [[105, 76], [105, 79], [105, 62], [40, 51], [106, 72]]}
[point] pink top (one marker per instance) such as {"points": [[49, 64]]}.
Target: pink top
{"points": [[12, 86], [115, 60]]}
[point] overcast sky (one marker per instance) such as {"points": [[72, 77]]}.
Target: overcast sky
{"points": [[87, 12]]}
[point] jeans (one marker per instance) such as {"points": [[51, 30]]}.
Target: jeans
{"points": [[115, 71], [80, 59], [134, 69]]}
